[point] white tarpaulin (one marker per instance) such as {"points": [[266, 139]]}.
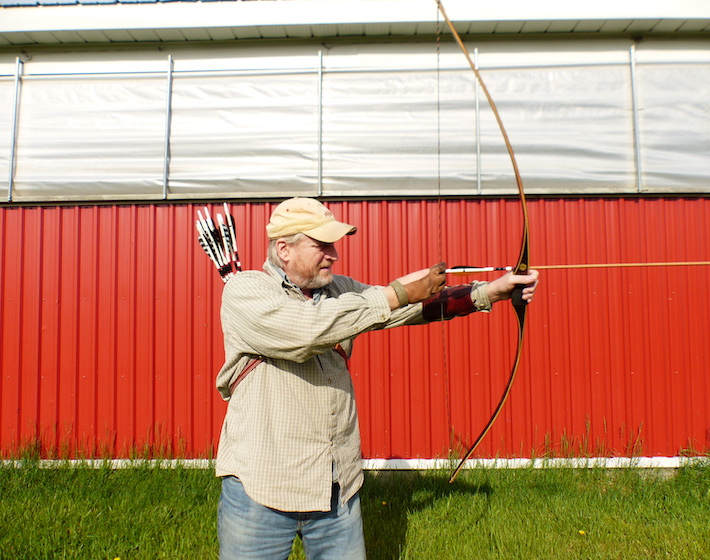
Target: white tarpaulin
{"points": [[375, 119]]}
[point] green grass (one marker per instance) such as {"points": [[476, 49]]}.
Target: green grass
{"points": [[152, 513], [101, 513], [543, 514]]}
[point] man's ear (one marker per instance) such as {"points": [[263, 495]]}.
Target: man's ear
{"points": [[283, 250]]}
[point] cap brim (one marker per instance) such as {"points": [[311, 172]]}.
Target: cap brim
{"points": [[331, 232]]}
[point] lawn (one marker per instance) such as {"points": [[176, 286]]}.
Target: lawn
{"points": [[148, 512]]}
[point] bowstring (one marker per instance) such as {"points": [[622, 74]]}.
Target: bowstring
{"points": [[440, 236]]}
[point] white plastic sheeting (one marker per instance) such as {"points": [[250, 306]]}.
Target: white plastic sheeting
{"points": [[376, 119]]}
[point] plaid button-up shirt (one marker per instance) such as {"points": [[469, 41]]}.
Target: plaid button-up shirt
{"points": [[292, 421]]}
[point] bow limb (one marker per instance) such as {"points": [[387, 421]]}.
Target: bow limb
{"points": [[521, 267]]}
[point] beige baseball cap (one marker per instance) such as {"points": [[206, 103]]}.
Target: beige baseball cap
{"points": [[308, 216]]}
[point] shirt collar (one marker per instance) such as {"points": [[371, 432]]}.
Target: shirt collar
{"points": [[279, 273]]}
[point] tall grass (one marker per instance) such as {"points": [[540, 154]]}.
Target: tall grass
{"points": [[150, 513]]}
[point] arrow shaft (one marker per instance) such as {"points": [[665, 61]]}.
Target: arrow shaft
{"points": [[470, 270], [622, 265]]}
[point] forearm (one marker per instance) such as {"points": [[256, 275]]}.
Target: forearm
{"points": [[392, 298], [457, 301]]}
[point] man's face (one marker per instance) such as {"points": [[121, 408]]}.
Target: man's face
{"points": [[308, 263]]}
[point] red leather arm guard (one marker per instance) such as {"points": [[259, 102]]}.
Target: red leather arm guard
{"points": [[449, 303]]}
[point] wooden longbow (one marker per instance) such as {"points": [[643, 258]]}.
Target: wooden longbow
{"points": [[521, 266]]}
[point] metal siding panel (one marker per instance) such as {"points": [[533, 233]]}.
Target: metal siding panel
{"points": [[125, 331], [107, 336], [178, 373], [205, 324], [164, 282], [67, 371], [87, 326], [31, 275], [144, 319], [49, 328], [10, 345], [110, 336], [698, 351]]}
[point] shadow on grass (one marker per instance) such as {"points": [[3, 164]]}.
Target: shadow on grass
{"points": [[391, 498]]}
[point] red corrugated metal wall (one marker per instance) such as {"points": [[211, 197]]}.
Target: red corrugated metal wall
{"points": [[110, 336]]}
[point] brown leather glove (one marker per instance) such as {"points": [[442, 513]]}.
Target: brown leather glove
{"points": [[420, 285]]}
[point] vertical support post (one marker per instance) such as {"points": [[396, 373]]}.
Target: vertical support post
{"points": [[320, 123], [15, 121], [635, 112], [168, 118]]}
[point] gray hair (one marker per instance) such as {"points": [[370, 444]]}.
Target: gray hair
{"points": [[272, 254]]}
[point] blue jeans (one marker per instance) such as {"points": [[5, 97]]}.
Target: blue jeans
{"points": [[249, 530]]}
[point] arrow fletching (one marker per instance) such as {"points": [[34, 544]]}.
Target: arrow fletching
{"points": [[219, 243]]}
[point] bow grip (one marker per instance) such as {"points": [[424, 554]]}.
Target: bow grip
{"points": [[516, 296]]}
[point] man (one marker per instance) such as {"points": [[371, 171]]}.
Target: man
{"points": [[289, 451]]}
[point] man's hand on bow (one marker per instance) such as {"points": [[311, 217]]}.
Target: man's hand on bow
{"points": [[416, 286], [501, 288]]}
